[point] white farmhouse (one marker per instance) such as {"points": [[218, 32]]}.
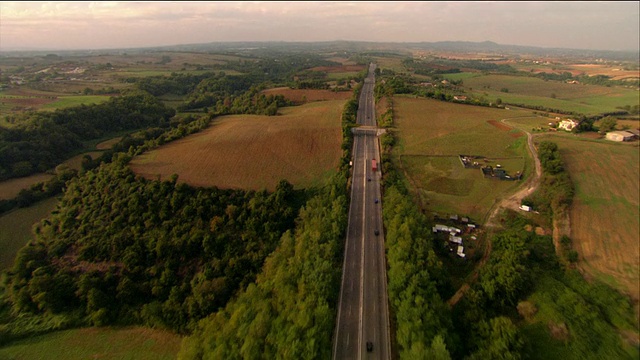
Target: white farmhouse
{"points": [[567, 124]]}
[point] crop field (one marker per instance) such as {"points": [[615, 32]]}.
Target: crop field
{"points": [[96, 343], [433, 133], [10, 188], [11, 102], [389, 62], [605, 214], [587, 99], [353, 69], [71, 101], [16, 226], [300, 96], [302, 145], [460, 76], [614, 71]]}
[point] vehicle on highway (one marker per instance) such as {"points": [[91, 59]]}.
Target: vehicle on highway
{"points": [[376, 201], [376, 232], [374, 165], [368, 179], [369, 346]]}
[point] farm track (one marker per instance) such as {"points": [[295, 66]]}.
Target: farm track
{"points": [[512, 202]]}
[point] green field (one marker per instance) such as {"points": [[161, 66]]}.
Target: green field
{"points": [[432, 133], [16, 229], [460, 76], [71, 101], [605, 214], [301, 145], [586, 99], [96, 343]]}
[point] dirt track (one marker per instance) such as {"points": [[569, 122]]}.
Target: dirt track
{"points": [[512, 202]]}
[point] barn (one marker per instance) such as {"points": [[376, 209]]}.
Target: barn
{"points": [[620, 136]]}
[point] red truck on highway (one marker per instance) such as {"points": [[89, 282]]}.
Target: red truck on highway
{"points": [[374, 165]]}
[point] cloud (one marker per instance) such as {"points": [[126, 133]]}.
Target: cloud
{"points": [[66, 25]]}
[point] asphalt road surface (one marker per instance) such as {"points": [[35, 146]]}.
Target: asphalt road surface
{"points": [[363, 314]]}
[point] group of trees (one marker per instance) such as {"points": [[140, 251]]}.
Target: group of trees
{"points": [[40, 141], [120, 249], [290, 311], [555, 194]]}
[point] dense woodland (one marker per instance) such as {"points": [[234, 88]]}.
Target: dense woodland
{"points": [[122, 249]]}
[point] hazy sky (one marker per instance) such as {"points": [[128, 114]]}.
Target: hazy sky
{"points": [[100, 25]]}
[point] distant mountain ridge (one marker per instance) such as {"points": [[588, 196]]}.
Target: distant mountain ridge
{"points": [[454, 46]]}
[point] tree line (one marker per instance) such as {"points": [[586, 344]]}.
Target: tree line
{"points": [[40, 141]]}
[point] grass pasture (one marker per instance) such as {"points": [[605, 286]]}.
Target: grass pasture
{"points": [[16, 229], [587, 99], [70, 101], [433, 133], [302, 145], [11, 187], [605, 214], [96, 343]]}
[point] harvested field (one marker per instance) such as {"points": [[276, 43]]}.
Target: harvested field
{"points": [[254, 152], [605, 214], [340, 69], [10, 188], [97, 343], [499, 125], [108, 144], [300, 96], [16, 228]]}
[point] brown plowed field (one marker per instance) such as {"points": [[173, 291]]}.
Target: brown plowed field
{"points": [[307, 95], [604, 215], [344, 68], [254, 152]]}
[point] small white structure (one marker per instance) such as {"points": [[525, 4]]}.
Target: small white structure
{"points": [[620, 136], [440, 227], [525, 207], [461, 251], [456, 240], [567, 124]]}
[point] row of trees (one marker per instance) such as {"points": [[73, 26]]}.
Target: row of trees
{"points": [[556, 190]]}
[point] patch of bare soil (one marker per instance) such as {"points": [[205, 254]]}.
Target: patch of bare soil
{"points": [[559, 331]]}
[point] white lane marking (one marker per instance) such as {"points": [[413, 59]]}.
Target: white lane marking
{"points": [[344, 267], [364, 184]]}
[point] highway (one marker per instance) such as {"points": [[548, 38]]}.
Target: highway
{"points": [[363, 314]]}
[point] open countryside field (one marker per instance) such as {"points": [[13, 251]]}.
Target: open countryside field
{"points": [[300, 96], [16, 229], [26, 100], [96, 343], [432, 133], [615, 71], [587, 99], [10, 188], [254, 152], [605, 214]]}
